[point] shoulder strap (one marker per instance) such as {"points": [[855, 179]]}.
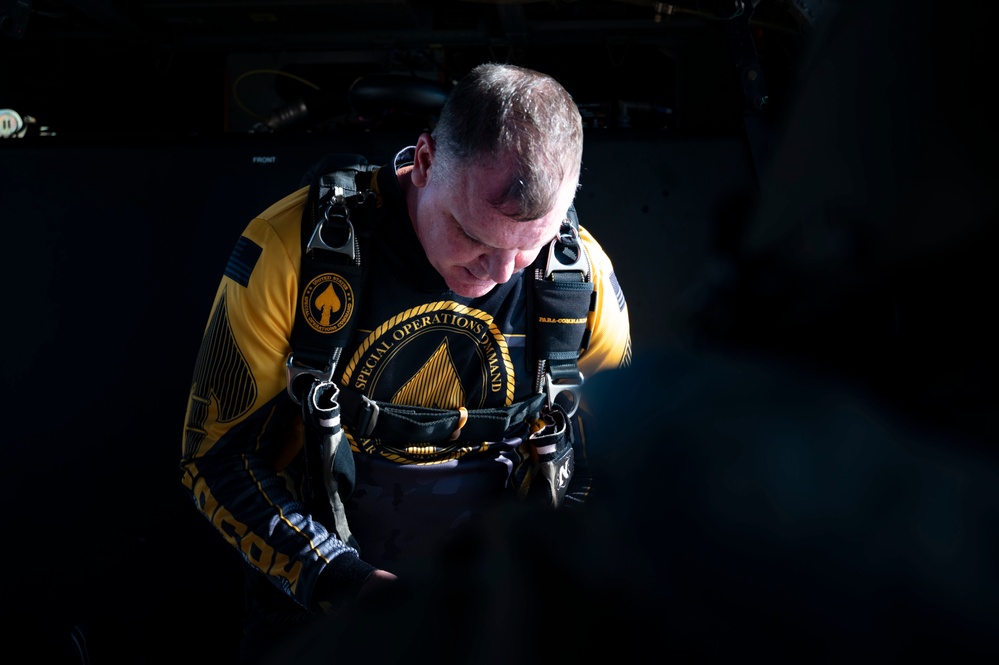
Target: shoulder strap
{"points": [[560, 314], [332, 274]]}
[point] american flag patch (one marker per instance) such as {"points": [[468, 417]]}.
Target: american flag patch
{"points": [[244, 256], [618, 293]]}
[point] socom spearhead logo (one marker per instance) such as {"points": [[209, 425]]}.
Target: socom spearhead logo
{"points": [[327, 303]]}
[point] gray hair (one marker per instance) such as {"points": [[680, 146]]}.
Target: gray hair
{"points": [[516, 118]]}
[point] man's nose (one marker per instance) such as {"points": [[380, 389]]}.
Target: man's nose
{"points": [[500, 264]]}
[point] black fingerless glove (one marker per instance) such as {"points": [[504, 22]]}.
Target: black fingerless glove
{"points": [[339, 583]]}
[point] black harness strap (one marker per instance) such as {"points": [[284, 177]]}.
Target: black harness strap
{"points": [[331, 281], [329, 461], [563, 302], [389, 422], [332, 275], [553, 458]]}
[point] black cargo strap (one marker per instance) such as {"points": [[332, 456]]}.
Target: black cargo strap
{"points": [[367, 418]]}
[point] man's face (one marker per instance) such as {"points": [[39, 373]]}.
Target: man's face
{"points": [[471, 244]]}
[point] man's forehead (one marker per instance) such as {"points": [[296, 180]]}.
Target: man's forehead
{"points": [[486, 183], [495, 228]]}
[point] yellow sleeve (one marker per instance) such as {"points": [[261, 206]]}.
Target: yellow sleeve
{"points": [[247, 337], [610, 329]]}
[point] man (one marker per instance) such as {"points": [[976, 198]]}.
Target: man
{"points": [[443, 324]]}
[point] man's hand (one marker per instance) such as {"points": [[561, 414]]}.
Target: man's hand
{"points": [[380, 587], [334, 598]]}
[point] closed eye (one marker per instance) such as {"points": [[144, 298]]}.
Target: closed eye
{"points": [[465, 235]]}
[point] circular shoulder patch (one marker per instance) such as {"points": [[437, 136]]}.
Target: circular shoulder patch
{"points": [[327, 303]]}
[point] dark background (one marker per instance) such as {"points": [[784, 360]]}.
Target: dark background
{"points": [[800, 200]]}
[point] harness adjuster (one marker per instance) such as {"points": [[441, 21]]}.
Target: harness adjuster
{"points": [[367, 417], [337, 214], [295, 371], [566, 255], [555, 387]]}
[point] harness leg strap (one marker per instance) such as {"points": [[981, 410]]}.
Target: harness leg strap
{"points": [[554, 462], [329, 460]]}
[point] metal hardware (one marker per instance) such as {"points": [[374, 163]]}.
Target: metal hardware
{"points": [[364, 429], [555, 388], [336, 213], [295, 371], [558, 258]]}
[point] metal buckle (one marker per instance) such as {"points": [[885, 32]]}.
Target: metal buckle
{"points": [[342, 215], [553, 389], [366, 427], [294, 371], [556, 252]]}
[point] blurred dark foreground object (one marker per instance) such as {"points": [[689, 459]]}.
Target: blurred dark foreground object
{"points": [[743, 509]]}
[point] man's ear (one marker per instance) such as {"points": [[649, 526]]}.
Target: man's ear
{"points": [[423, 160]]}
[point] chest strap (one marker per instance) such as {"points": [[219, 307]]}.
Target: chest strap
{"points": [[368, 418]]}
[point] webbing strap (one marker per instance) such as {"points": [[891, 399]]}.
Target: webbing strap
{"points": [[332, 275], [564, 298], [389, 422], [331, 281], [329, 462], [553, 458]]}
